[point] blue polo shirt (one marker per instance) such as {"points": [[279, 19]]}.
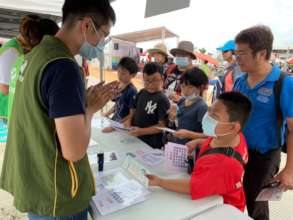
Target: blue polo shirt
{"points": [[261, 128]]}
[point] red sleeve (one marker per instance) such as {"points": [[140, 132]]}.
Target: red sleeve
{"points": [[209, 178]]}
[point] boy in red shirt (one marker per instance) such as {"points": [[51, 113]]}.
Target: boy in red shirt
{"points": [[216, 173]]}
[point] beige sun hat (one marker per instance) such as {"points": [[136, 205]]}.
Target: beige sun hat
{"points": [[184, 47], [159, 48]]}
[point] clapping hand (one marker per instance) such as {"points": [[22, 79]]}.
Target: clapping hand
{"points": [[97, 96]]}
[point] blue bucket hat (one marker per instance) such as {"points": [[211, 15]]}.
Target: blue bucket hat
{"points": [[229, 45]]}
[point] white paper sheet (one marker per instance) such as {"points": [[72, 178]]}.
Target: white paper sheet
{"points": [[116, 191], [175, 156]]}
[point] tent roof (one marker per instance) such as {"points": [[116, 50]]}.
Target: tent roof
{"points": [[10, 19], [146, 35], [11, 12], [51, 7]]}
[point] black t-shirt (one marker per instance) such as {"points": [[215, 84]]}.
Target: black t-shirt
{"points": [[63, 89], [150, 108]]}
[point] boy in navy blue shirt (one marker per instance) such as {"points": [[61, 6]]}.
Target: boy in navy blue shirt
{"points": [[127, 70]]}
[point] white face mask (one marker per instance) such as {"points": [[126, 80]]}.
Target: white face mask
{"points": [[190, 97], [209, 125]]}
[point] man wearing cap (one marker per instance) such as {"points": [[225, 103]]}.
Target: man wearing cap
{"points": [[232, 71], [184, 54]]}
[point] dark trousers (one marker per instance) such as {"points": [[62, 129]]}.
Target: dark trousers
{"points": [[259, 171]]}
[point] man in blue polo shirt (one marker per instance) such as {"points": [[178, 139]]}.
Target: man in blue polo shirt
{"points": [[253, 50]]}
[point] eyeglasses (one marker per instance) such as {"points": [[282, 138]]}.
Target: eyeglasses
{"points": [[152, 82], [239, 54], [187, 86]]}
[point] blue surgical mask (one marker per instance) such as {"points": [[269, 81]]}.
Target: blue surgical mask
{"points": [[209, 125], [90, 52], [181, 61]]}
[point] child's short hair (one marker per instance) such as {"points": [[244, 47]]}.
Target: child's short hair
{"points": [[152, 68], [129, 64], [238, 106], [195, 77]]}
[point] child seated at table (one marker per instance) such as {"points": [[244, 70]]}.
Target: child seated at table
{"points": [[127, 70], [151, 107], [219, 168], [190, 109]]}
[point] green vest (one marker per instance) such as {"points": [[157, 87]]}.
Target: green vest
{"points": [[4, 98], [34, 171]]}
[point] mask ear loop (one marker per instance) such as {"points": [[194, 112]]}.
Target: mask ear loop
{"points": [[84, 37], [227, 133], [98, 33]]}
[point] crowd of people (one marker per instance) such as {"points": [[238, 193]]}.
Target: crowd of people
{"points": [[237, 139]]}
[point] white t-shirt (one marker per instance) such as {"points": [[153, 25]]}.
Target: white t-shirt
{"points": [[7, 61]]}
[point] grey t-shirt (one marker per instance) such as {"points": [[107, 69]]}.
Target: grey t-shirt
{"points": [[190, 117]]}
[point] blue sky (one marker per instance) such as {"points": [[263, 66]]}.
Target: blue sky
{"points": [[209, 23]]}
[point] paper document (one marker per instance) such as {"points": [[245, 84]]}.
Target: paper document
{"points": [[166, 129], [150, 157], [119, 188], [272, 192], [136, 170], [119, 126], [176, 156]]}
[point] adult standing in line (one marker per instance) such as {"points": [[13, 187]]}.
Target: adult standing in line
{"points": [[232, 70], [184, 55], [253, 51]]}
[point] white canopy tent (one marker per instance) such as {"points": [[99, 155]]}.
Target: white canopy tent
{"points": [[12, 10], [49, 7]]}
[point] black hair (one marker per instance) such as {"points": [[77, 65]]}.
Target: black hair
{"points": [[195, 77], [129, 64], [258, 38], [152, 68], [238, 106], [47, 27], [99, 10], [33, 28]]}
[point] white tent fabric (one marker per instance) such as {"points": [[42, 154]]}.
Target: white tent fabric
{"points": [[51, 7]]}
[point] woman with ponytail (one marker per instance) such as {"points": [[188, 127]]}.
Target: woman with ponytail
{"points": [[32, 32], [9, 53]]}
